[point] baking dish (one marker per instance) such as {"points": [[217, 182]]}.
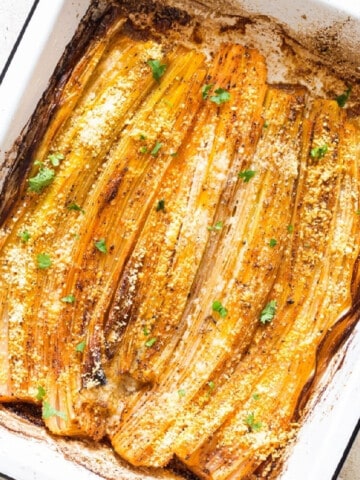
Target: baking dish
{"points": [[337, 407]]}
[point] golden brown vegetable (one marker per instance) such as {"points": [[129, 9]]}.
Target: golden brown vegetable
{"points": [[184, 250]]}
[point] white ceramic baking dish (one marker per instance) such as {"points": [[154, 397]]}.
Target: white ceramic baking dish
{"points": [[334, 413]]}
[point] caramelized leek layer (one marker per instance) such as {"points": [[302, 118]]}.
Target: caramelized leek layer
{"points": [[187, 242]]}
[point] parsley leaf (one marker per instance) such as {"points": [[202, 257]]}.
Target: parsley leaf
{"points": [[101, 245], [143, 149], [221, 96], [218, 307], [343, 98], [252, 424], [246, 175], [80, 347], [318, 152], [211, 385], [40, 393], [74, 206], [272, 242], [150, 342], [156, 149], [146, 331], [268, 312], [290, 228], [49, 411], [68, 299], [157, 69], [256, 396], [218, 226], [43, 261], [205, 89], [55, 159], [181, 392], [24, 236], [160, 205], [42, 179]]}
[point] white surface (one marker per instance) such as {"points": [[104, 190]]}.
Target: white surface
{"points": [[27, 87]]}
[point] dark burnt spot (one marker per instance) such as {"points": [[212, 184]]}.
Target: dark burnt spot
{"points": [[133, 31], [197, 36], [168, 17], [238, 26]]}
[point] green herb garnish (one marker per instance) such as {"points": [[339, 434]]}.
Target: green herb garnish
{"points": [[246, 175], [101, 245], [55, 159], [290, 228], [218, 226], [68, 299], [272, 242], [74, 206], [221, 96], [42, 179], [40, 393], [318, 152], [146, 331], [268, 312], [150, 342], [343, 98], [43, 261], [143, 149], [160, 205], [252, 424], [205, 90], [181, 392], [218, 307], [80, 347], [156, 149], [157, 69], [256, 396], [24, 236], [49, 411]]}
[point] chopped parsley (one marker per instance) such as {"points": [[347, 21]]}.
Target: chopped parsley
{"points": [[318, 152], [101, 245], [181, 392], [43, 261], [290, 228], [149, 343], [40, 393], [55, 159], [256, 396], [246, 175], [272, 242], [218, 226], [221, 96], [74, 206], [143, 149], [49, 411], [211, 385], [68, 299], [205, 90], [266, 124], [142, 136], [157, 68], [343, 98], [268, 313], [156, 149], [160, 205], [42, 179], [252, 424], [146, 331], [218, 307], [80, 347], [24, 236]]}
